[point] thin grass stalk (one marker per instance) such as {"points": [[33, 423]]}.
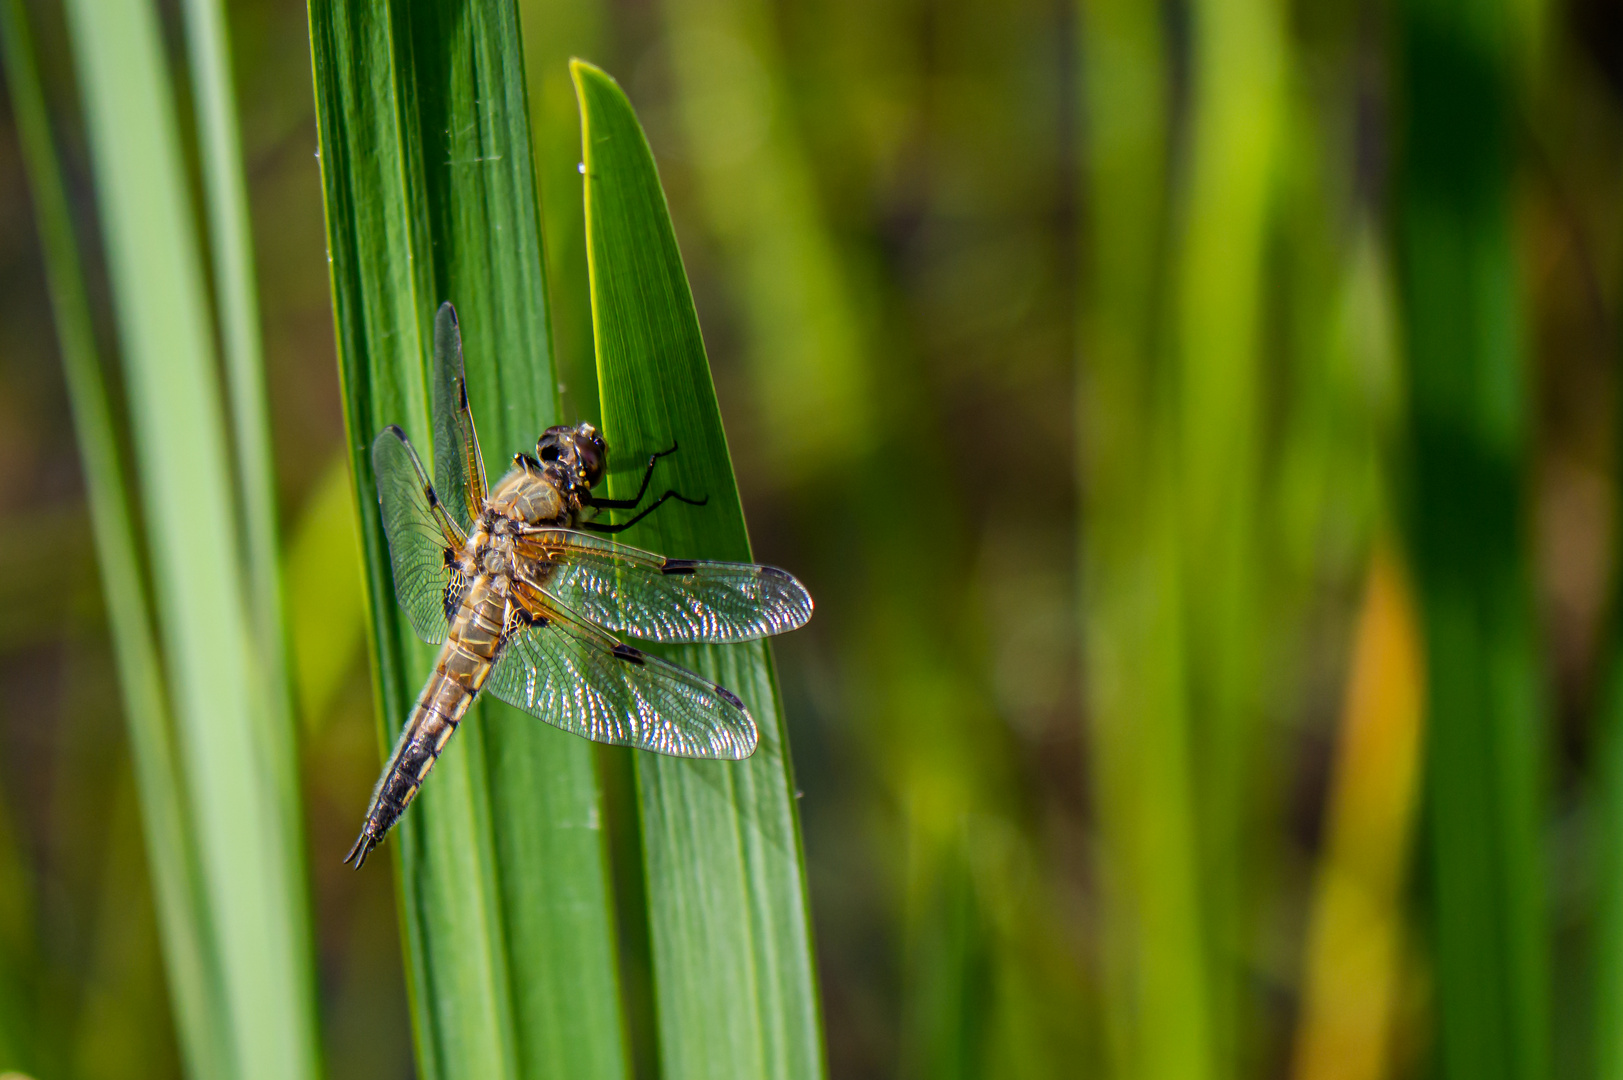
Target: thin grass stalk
{"points": [[237, 810], [721, 840], [19, 1039], [225, 197], [1469, 426], [1608, 941], [430, 195], [1236, 112], [1606, 1017], [1157, 997]]}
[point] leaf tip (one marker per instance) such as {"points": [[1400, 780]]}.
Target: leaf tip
{"points": [[581, 70]]}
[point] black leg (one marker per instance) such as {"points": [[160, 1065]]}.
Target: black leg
{"points": [[649, 509], [648, 474]]}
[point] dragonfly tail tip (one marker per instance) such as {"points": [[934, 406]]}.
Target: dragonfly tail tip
{"points": [[363, 846]]}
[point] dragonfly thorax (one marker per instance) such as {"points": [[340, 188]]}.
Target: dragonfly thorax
{"points": [[531, 497]]}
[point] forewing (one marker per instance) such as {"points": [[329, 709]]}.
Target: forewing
{"points": [[648, 596], [572, 674], [421, 537], [459, 470]]}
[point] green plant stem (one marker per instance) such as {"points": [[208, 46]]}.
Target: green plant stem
{"points": [[1469, 430]]}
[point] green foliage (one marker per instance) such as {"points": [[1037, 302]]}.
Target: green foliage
{"points": [[426, 168], [1470, 431], [907, 228], [1158, 1004], [734, 985], [219, 803]]}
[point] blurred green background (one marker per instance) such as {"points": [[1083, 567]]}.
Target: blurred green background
{"points": [[1197, 423]]}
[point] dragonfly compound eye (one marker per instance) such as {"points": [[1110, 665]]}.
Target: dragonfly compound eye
{"points": [[590, 456]]}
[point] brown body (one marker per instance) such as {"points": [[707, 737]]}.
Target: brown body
{"points": [[527, 495]]}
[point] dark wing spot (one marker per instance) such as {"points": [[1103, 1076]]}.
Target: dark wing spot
{"points": [[462, 392], [454, 589], [533, 619], [628, 654], [678, 566], [728, 696], [450, 559], [433, 499]]}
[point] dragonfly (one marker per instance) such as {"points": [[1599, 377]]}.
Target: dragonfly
{"points": [[528, 601]]}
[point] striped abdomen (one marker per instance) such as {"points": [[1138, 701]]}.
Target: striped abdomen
{"points": [[463, 664]]}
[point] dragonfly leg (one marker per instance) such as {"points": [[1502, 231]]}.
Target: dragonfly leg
{"points": [[647, 475], [593, 526]]}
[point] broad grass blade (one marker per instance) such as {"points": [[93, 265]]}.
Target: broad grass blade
{"points": [[734, 983], [1469, 432], [426, 168], [171, 852], [242, 814]]}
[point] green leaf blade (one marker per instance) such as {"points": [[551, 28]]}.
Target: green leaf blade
{"points": [[1471, 432], [171, 855], [431, 195], [735, 983], [240, 817]]}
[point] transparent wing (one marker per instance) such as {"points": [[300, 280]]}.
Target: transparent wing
{"points": [[569, 673], [648, 596], [422, 539], [459, 470]]}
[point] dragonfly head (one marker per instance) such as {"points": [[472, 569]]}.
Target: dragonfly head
{"points": [[579, 452]]}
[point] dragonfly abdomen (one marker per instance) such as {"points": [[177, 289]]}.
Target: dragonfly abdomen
{"points": [[460, 670]]}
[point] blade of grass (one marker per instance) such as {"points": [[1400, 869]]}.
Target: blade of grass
{"points": [[1608, 939], [1356, 935], [1158, 997], [735, 989], [1469, 428], [171, 856], [226, 198], [1606, 778], [1236, 105], [238, 802], [427, 174], [20, 1041], [232, 257]]}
